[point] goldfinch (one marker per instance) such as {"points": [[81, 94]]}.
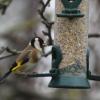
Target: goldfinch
{"points": [[32, 53]]}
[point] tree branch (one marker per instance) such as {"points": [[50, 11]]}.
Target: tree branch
{"points": [[7, 56], [94, 35], [8, 50], [4, 5], [12, 51], [45, 21]]}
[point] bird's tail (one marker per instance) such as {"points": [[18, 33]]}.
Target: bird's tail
{"points": [[5, 76], [14, 68]]}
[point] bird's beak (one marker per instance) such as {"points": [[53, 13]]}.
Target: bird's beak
{"points": [[45, 44]]}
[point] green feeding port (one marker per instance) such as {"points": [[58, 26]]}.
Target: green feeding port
{"points": [[71, 9]]}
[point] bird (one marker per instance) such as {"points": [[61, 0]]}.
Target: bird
{"points": [[32, 53]]}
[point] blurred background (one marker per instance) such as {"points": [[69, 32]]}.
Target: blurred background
{"points": [[17, 27]]}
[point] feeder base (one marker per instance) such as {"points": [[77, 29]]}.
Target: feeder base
{"points": [[69, 82]]}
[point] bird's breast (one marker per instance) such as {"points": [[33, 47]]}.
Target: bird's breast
{"points": [[34, 56]]}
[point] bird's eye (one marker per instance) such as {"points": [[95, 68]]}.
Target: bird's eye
{"points": [[32, 43]]}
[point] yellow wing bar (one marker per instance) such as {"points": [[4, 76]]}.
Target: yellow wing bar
{"points": [[17, 67]]}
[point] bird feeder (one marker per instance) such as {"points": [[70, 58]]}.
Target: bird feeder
{"points": [[72, 37]]}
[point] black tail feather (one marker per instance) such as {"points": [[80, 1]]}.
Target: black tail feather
{"points": [[10, 70], [5, 76]]}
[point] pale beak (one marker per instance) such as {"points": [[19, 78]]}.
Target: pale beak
{"points": [[45, 44]]}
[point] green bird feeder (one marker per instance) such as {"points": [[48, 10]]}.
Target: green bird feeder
{"points": [[71, 36], [70, 59], [71, 9]]}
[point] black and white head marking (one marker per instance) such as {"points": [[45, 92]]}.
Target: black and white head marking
{"points": [[37, 43]]}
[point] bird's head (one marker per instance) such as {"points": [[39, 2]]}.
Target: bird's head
{"points": [[37, 43]]}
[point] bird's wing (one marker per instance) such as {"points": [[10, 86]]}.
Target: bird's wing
{"points": [[33, 55], [24, 53]]}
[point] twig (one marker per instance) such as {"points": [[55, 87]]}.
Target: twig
{"points": [[7, 56], [45, 21], [41, 12], [94, 36], [12, 51], [47, 54], [2, 49], [8, 50], [4, 5]]}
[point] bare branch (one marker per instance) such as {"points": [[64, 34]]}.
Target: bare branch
{"points": [[45, 33], [7, 56], [4, 5], [12, 51], [8, 50], [47, 54], [41, 2], [45, 21], [41, 14], [2, 49], [94, 35]]}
